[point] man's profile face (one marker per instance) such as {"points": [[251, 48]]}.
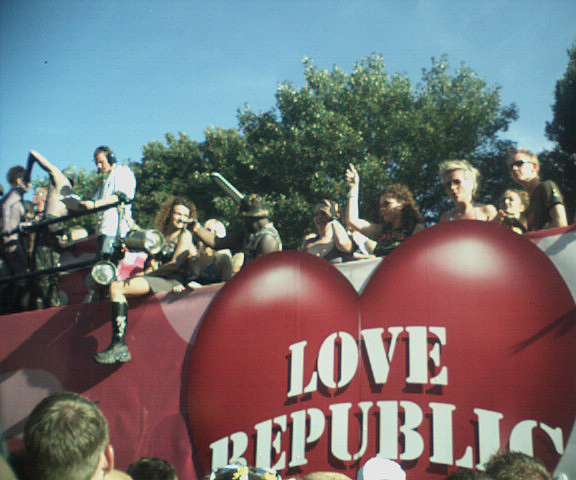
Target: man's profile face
{"points": [[102, 163], [522, 168]]}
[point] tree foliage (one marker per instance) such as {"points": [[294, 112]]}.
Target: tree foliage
{"points": [[562, 128], [297, 152], [560, 164]]}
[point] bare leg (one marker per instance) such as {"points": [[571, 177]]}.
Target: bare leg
{"points": [[118, 351], [133, 287]]}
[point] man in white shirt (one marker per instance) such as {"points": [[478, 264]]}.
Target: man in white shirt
{"points": [[119, 183]]}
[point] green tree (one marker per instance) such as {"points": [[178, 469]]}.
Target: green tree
{"points": [[560, 164], [297, 152], [562, 128]]}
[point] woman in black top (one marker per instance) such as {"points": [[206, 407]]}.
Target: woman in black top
{"points": [[399, 214]]}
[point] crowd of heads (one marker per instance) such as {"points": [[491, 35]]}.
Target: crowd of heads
{"points": [[66, 437]]}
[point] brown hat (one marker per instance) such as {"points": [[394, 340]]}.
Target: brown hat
{"points": [[253, 206]]}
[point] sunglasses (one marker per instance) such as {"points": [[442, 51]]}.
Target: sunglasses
{"points": [[518, 163]]}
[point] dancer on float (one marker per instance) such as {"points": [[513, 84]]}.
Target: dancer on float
{"points": [[461, 181], [331, 241], [399, 213], [172, 221]]}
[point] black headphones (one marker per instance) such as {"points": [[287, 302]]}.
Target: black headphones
{"points": [[108, 152]]}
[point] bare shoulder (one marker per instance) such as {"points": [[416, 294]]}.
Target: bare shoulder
{"points": [[488, 211]]}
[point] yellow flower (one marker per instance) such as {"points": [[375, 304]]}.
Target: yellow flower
{"points": [[269, 476], [241, 474]]}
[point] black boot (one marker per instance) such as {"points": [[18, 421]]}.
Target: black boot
{"points": [[118, 351]]}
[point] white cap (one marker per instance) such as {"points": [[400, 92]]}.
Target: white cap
{"points": [[378, 468]]}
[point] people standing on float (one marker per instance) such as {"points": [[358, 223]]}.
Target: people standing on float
{"points": [[461, 180], [119, 185], [399, 216], [546, 208], [60, 201]]}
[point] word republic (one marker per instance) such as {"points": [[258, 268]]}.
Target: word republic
{"points": [[336, 367]]}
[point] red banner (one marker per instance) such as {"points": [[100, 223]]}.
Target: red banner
{"points": [[460, 342]]}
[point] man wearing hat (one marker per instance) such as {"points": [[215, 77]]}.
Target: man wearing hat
{"points": [[258, 236]]}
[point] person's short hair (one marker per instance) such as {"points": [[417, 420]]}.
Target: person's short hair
{"points": [[152, 468], [65, 436], [464, 165], [524, 151], [15, 173], [108, 152], [465, 474], [516, 466]]}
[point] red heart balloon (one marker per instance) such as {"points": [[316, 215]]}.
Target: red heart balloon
{"points": [[462, 342]]}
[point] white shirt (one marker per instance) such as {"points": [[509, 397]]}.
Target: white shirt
{"points": [[120, 179], [12, 213]]}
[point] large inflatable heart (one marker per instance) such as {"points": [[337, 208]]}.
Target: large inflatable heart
{"points": [[464, 341]]}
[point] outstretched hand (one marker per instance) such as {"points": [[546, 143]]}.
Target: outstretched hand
{"points": [[352, 177]]}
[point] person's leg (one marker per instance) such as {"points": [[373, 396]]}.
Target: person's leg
{"points": [[118, 351]]}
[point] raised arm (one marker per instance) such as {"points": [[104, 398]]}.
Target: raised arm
{"points": [[58, 178], [353, 220]]}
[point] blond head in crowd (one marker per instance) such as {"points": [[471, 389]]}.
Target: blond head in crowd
{"points": [[461, 180]]}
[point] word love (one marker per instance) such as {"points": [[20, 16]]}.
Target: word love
{"points": [[341, 348]]}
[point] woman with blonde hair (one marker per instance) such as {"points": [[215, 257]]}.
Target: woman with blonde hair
{"points": [[460, 180]]}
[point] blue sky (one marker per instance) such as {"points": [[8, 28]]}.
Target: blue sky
{"points": [[78, 74]]}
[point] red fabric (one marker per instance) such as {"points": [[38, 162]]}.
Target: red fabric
{"points": [[511, 345]]}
